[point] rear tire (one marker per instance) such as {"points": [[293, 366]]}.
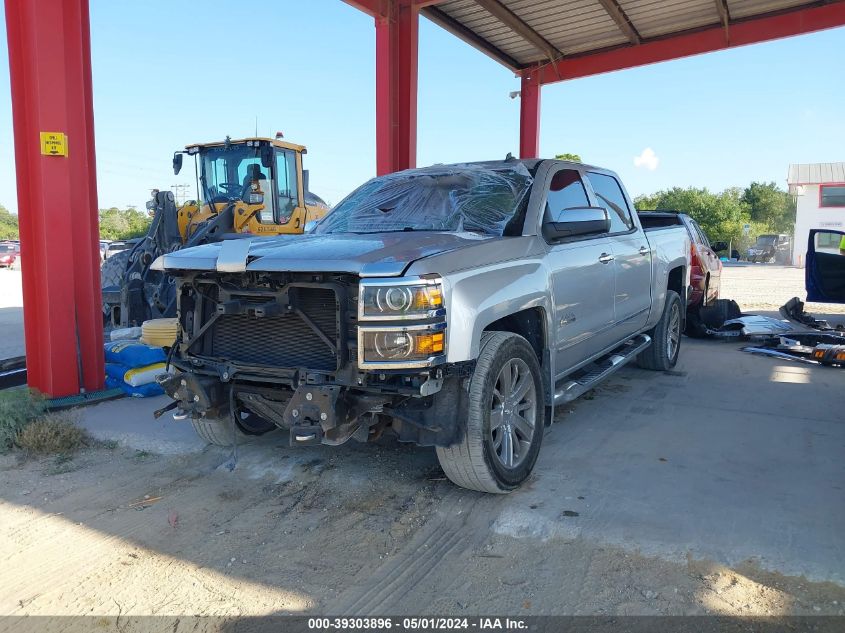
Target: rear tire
{"points": [[665, 346], [505, 416], [721, 310], [695, 328]]}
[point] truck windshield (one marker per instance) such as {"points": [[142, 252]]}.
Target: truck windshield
{"points": [[766, 240], [451, 198]]}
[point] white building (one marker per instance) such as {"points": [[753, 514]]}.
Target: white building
{"points": [[819, 190]]}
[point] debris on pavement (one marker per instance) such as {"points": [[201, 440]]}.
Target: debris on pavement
{"points": [[811, 348], [754, 325], [798, 337], [793, 310], [146, 501], [775, 353]]}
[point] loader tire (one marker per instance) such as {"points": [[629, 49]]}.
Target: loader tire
{"points": [[665, 346], [113, 270], [505, 403]]}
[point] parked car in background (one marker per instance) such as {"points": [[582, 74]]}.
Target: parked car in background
{"points": [[454, 306], [771, 249], [705, 265], [9, 254], [117, 246]]}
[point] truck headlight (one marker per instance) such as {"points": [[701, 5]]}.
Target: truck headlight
{"points": [[400, 347], [400, 300]]}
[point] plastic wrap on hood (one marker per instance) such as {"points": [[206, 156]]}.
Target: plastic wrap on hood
{"points": [[479, 198]]}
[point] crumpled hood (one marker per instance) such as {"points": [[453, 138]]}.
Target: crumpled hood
{"points": [[370, 255]]}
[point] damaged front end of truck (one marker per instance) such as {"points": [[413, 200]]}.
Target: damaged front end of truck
{"points": [[327, 357]]}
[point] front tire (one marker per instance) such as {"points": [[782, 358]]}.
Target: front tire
{"points": [[504, 418], [216, 431], [665, 337]]}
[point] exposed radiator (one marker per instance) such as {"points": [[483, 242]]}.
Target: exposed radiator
{"points": [[282, 341]]}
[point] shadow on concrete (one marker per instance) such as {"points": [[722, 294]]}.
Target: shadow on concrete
{"points": [[715, 461]]}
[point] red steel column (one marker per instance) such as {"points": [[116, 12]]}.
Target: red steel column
{"points": [[529, 117], [50, 68], [396, 86]]}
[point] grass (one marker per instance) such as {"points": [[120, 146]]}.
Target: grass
{"points": [[18, 407], [24, 422], [53, 434]]}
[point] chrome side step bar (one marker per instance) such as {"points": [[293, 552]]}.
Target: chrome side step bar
{"points": [[575, 387]]}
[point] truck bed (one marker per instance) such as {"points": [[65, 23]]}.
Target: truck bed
{"points": [[655, 220]]}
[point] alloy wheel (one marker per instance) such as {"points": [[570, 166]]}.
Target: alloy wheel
{"points": [[513, 413]]}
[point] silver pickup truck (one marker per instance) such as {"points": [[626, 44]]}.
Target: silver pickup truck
{"points": [[454, 306]]}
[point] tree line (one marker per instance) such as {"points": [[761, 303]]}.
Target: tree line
{"points": [[762, 205], [115, 224]]}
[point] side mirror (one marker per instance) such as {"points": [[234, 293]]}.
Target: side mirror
{"points": [[310, 226], [719, 246], [177, 163], [576, 221], [267, 156]]}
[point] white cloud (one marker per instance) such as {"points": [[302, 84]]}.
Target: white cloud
{"points": [[647, 159]]}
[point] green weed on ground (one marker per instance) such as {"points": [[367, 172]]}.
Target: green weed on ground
{"points": [[25, 422], [18, 407]]}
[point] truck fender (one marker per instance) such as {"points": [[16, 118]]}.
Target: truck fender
{"points": [[478, 298]]}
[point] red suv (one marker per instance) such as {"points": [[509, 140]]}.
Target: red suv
{"points": [[705, 265], [8, 254]]}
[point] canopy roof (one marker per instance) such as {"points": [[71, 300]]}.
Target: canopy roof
{"points": [[553, 34]]}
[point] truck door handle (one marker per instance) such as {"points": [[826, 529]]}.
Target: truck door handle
{"points": [[643, 250], [605, 258]]}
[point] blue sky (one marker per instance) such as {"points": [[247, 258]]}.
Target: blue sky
{"points": [[170, 73]]}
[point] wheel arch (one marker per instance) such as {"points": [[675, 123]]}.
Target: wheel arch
{"points": [[532, 324]]}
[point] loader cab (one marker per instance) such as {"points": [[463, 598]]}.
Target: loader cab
{"points": [[259, 176]]}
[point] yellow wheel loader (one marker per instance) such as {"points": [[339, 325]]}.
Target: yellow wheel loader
{"points": [[254, 186]]}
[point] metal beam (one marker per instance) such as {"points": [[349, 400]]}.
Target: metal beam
{"points": [[381, 8], [515, 24], [450, 24], [613, 9], [529, 117], [725, 17], [50, 71], [396, 86], [748, 31], [372, 8]]}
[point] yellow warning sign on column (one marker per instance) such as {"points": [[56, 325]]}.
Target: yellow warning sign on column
{"points": [[53, 143]]}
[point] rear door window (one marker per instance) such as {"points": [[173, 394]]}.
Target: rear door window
{"points": [[610, 196], [699, 234]]}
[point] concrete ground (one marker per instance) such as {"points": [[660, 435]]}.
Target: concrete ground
{"points": [[11, 314], [714, 488]]}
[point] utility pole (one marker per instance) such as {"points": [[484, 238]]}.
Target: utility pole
{"points": [[180, 193]]}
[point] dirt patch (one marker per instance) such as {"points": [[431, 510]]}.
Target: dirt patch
{"points": [[372, 528]]}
